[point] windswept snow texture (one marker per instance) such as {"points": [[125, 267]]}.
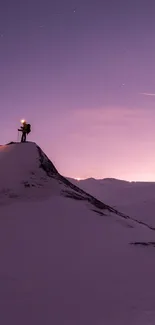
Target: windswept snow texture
{"points": [[63, 264]]}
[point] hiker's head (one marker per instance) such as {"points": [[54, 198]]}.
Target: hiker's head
{"points": [[23, 122]]}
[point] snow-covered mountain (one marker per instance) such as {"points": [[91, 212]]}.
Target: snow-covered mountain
{"points": [[27, 173], [134, 198], [66, 257]]}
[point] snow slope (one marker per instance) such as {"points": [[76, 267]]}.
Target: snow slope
{"points": [[134, 198], [27, 173], [61, 262]]}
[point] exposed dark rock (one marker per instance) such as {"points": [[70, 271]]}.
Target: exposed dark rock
{"points": [[99, 212], [145, 244], [73, 195], [26, 184], [46, 164], [10, 143]]}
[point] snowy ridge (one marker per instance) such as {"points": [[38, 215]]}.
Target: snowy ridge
{"points": [[31, 174]]}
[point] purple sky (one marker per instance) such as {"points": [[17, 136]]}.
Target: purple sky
{"points": [[82, 73]]}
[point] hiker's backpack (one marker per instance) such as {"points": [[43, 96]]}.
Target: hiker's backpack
{"points": [[28, 128]]}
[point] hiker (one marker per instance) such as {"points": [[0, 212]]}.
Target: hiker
{"points": [[25, 129]]}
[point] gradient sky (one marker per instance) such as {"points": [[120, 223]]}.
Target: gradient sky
{"points": [[82, 72]]}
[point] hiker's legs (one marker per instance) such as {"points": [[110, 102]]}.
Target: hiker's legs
{"points": [[23, 138]]}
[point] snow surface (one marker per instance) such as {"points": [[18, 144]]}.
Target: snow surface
{"points": [[136, 199], [62, 263], [19, 169]]}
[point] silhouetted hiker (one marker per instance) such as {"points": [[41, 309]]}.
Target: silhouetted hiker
{"points": [[25, 129]]}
